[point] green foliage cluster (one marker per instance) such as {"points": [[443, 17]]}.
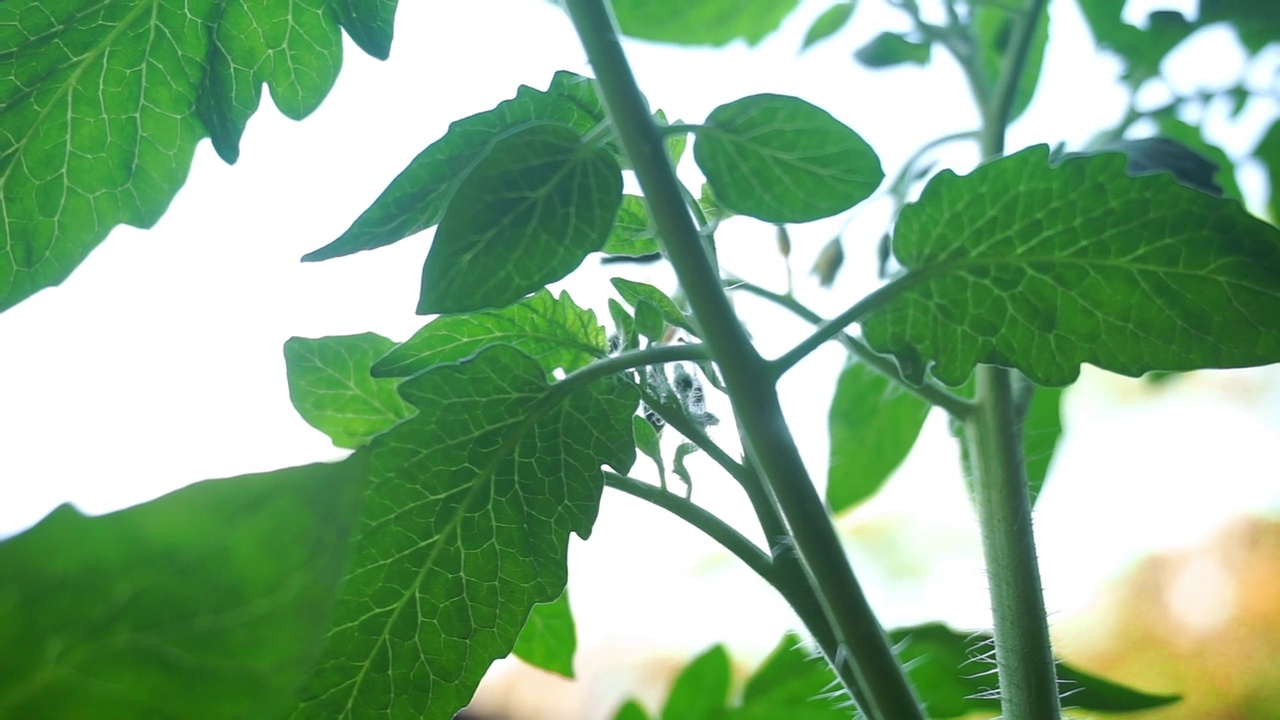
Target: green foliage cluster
{"points": [[385, 585]]}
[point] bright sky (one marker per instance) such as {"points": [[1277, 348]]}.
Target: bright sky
{"points": [[159, 362]]}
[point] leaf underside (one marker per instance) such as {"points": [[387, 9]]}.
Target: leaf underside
{"points": [[465, 529], [1042, 268], [707, 22], [102, 105], [332, 389]]}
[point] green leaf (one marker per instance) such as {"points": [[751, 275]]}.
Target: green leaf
{"points": [[675, 142], [701, 691], [889, 49], [635, 293], [416, 199], [1189, 135], [1141, 50], [209, 602], [553, 330], [1043, 268], [948, 670], [647, 442], [632, 234], [783, 160], [874, 423], [631, 711], [830, 22], [649, 321], [102, 105], [332, 389], [624, 325], [526, 215], [1161, 154], [791, 683], [1041, 431], [1268, 151], [992, 30], [548, 639], [706, 22], [466, 529], [368, 22], [1257, 24], [294, 46]]}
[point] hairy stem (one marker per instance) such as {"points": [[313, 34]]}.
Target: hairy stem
{"points": [[1024, 654], [860, 640]]}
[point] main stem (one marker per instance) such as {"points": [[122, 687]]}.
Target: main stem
{"points": [[1024, 654], [861, 640]]}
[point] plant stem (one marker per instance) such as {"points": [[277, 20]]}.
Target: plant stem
{"points": [[714, 527], [750, 381], [1024, 654], [931, 392]]}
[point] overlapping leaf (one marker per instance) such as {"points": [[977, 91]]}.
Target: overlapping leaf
{"points": [[465, 529], [526, 214], [554, 331], [874, 423], [208, 603], [1043, 268], [632, 234], [707, 22], [416, 199], [1041, 431], [891, 49], [330, 385], [102, 104], [701, 690], [549, 638], [636, 293], [993, 33], [784, 160]]}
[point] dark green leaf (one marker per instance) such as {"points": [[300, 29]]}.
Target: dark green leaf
{"points": [[1141, 50], [792, 684], [1189, 135], [830, 22], [1043, 268], [631, 711], [993, 30], [526, 215], [706, 22], [554, 331], [783, 160], [210, 602], [548, 639], [1040, 434], [1160, 154], [632, 233], [701, 691], [466, 529], [649, 321], [102, 105], [330, 385], [418, 196], [368, 22], [950, 671], [1257, 23], [1268, 151], [647, 443], [635, 292], [874, 423], [889, 49]]}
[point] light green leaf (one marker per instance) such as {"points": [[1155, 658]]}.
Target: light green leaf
{"points": [[706, 22], [466, 528], [830, 22], [292, 45], [889, 49], [416, 199], [635, 293], [701, 691], [649, 321], [102, 105], [632, 234], [1268, 151], [1043, 268], [207, 603], [675, 142], [548, 639], [368, 22], [874, 423], [647, 442], [993, 31], [631, 711], [783, 160], [553, 330], [1041, 431], [332, 389], [526, 215], [624, 325]]}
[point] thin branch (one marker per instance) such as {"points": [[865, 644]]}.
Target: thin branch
{"points": [[931, 392]]}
